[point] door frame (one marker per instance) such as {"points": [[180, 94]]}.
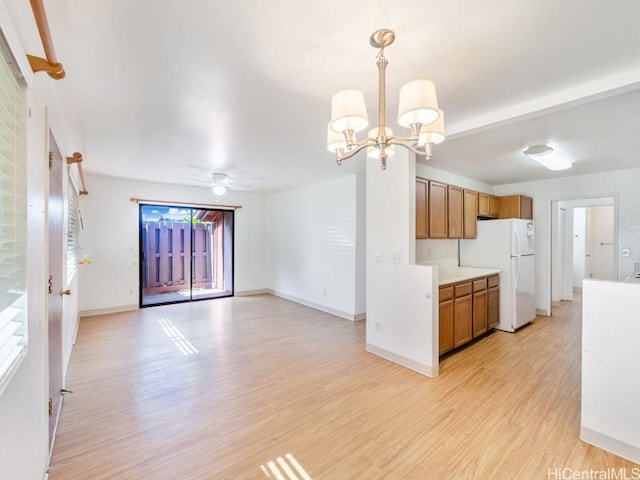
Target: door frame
{"points": [[55, 303], [229, 259]]}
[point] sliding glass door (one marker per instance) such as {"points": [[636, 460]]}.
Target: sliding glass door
{"points": [[186, 254]]}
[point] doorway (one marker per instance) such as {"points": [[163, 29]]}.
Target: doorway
{"points": [[584, 239], [186, 254]]}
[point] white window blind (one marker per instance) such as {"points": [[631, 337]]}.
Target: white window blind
{"points": [[73, 215], [13, 294]]}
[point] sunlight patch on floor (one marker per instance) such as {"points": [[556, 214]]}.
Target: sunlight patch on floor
{"points": [[287, 468], [184, 345]]}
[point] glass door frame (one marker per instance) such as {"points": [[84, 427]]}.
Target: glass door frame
{"points": [[227, 252]]}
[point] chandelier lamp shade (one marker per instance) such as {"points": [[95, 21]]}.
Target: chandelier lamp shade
{"points": [[417, 110]]}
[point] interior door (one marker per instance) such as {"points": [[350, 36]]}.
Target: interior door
{"points": [[55, 216]]}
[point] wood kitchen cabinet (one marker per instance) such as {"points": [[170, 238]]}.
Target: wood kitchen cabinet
{"points": [[488, 205], [470, 214], [494, 206], [446, 320], [479, 307], [462, 314], [467, 310], [422, 208], [455, 208], [437, 210], [516, 206], [493, 301]]}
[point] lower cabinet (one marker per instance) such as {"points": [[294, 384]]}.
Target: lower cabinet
{"points": [[467, 310], [493, 302]]}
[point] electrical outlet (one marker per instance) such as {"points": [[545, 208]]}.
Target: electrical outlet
{"points": [[379, 257], [626, 252], [378, 326], [397, 259]]}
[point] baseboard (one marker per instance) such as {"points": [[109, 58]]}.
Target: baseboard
{"points": [[600, 440], [102, 311], [542, 312], [428, 370], [360, 316], [317, 306], [246, 293]]}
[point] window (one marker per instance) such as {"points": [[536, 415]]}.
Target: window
{"points": [[13, 204], [73, 215]]}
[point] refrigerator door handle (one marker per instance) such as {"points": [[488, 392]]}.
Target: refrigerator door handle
{"points": [[516, 247], [517, 273]]}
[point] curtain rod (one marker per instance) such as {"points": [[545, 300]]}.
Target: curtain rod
{"points": [[49, 64], [77, 158], [186, 204]]}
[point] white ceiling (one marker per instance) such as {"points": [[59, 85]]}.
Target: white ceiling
{"points": [[168, 91]]}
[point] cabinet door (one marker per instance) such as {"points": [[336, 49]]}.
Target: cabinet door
{"points": [[526, 208], [494, 206], [470, 207], [455, 208], [437, 210], [422, 188], [462, 328], [493, 307], [446, 326], [479, 313], [484, 207]]}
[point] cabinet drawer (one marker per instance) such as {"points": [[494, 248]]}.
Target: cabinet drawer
{"points": [[479, 285], [463, 289], [494, 281], [446, 293]]}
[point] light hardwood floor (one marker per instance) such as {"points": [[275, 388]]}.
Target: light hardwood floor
{"points": [[219, 389]]}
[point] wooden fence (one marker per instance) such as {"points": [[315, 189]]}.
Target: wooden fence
{"points": [[168, 261]]}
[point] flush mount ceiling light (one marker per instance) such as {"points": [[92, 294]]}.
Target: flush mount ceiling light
{"points": [[548, 157], [417, 110]]}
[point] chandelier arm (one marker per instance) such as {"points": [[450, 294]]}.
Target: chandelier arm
{"points": [[358, 149], [407, 144]]}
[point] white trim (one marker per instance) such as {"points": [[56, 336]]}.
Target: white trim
{"points": [[246, 293], [600, 440], [428, 370], [317, 306], [103, 311]]}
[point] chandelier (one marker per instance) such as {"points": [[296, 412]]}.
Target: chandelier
{"points": [[417, 110]]}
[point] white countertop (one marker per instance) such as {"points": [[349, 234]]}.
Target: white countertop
{"points": [[452, 274]]}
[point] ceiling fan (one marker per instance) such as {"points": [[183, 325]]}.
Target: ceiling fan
{"points": [[220, 182]]}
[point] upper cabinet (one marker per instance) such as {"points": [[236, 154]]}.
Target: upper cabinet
{"points": [[488, 205], [422, 208], [516, 206], [470, 220], [449, 211], [456, 212], [438, 208]]}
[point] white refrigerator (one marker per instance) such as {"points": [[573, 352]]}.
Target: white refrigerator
{"points": [[509, 246]]}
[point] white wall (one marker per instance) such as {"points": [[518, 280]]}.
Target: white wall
{"points": [[402, 316], [24, 452], [622, 184], [111, 239], [315, 238], [610, 359]]}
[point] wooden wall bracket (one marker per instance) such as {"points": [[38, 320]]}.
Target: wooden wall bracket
{"points": [[77, 158], [39, 64]]}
